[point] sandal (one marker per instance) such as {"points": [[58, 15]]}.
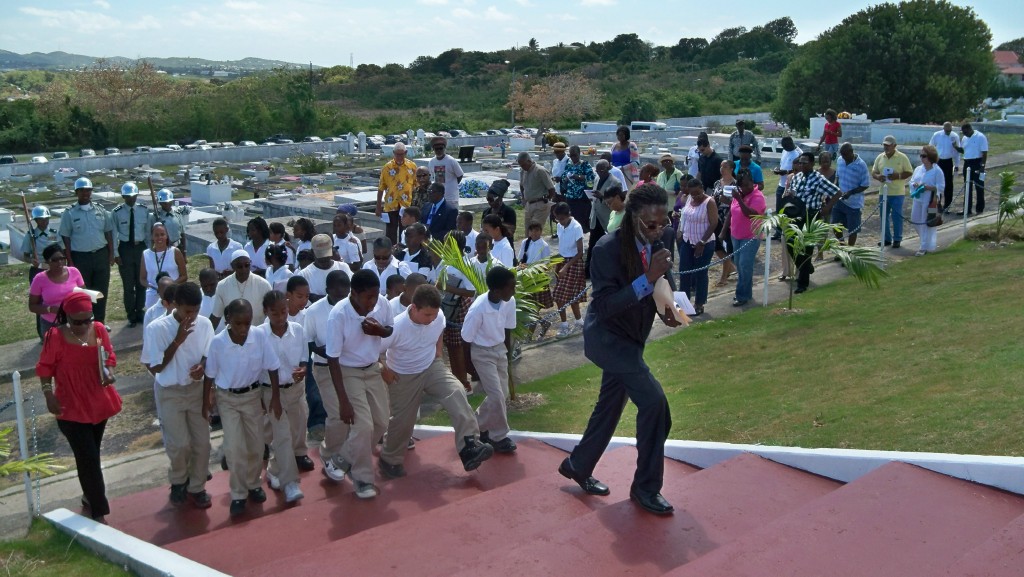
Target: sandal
{"points": [[783, 278], [722, 283]]}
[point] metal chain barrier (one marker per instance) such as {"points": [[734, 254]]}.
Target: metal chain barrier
{"points": [[36, 479]]}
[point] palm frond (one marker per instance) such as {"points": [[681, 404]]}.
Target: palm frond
{"points": [[43, 464]]}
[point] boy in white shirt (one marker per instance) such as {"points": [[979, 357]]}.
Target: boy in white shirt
{"points": [[174, 350], [414, 368], [297, 293], [486, 329], [320, 387], [208, 279], [288, 429], [162, 307], [464, 223], [355, 329], [384, 263], [401, 302], [348, 247], [571, 279], [233, 366]]}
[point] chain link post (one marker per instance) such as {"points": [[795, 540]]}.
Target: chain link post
{"points": [[768, 258], [967, 200], [22, 438]]}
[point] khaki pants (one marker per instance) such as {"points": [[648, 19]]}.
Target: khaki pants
{"points": [[368, 396], [186, 434], [406, 394], [492, 366], [293, 404], [241, 416], [335, 432], [282, 462], [538, 212]]}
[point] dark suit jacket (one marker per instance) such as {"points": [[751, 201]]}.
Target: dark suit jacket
{"points": [[617, 324], [442, 223]]}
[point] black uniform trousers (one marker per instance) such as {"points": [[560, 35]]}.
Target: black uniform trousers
{"points": [[95, 269], [133, 291]]}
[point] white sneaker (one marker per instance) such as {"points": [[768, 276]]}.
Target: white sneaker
{"points": [[578, 324], [292, 493], [331, 470], [563, 330], [273, 482], [365, 490]]}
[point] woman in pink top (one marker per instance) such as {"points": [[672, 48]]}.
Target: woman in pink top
{"points": [[48, 290], [747, 202], [696, 236]]}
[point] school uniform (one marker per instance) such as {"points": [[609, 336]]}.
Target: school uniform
{"points": [[235, 371], [418, 261], [315, 328], [394, 267], [357, 353], [86, 226], [153, 313], [206, 307], [503, 252], [471, 242], [574, 281], [349, 249], [531, 252], [317, 277], [222, 258], [257, 255], [287, 435], [185, 431], [411, 353], [278, 278], [396, 307], [130, 236], [484, 329]]}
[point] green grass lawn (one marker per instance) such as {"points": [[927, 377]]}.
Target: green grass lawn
{"points": [[929, 362], [46, 552]]}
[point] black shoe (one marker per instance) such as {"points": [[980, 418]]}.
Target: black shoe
{"points": [[304, 463], [590, 485], [215, 424], [257, 495], [738, 302], [237, 507], [133, 324], [201, 500], [698, 310], [896, 244], [887, 243], [266, 452], [800, 289], [178, 493], [505, 446], [654, 503], [485, 437], [474, 453], [224, 463], [390, 471]]}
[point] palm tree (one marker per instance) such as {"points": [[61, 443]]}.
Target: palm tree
{"points": [[42, 464], [1011, 206], [865, 264]]}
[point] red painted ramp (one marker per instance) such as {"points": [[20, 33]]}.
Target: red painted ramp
{"points": [[898, 520], [1002, 555]]}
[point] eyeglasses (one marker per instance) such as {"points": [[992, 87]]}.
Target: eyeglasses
{"points": [[652, 226], [81, 323], [57, 259]]}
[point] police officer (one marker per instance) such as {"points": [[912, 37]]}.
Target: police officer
{"points": [[129, 221], [42, 235], [173, 222], [86, 232]]}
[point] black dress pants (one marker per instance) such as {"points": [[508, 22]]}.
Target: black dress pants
{"points": [[85, 439]]}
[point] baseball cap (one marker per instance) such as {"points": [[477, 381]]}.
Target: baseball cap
{"points": [[349, 209], [322, 246], [890, 139]]}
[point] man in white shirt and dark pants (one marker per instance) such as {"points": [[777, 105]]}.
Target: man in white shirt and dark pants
{"points": [[974, 148], [946, 142]]}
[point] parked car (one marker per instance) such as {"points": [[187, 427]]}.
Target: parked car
{"points": [[173, 147], [205, 147], [494, 132], [247, 143], [141, 149], [312, 139], [60, 156], [285, 141], [38, 160], [8, 159], [86, 152], [200, 142], [456, 133], [111, 151], [227, 144], [332, 139]]}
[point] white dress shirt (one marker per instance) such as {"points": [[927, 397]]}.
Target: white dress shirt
{"points": [[945, 145], [974, 145], [484, 325], [234, 366], [346, 340], [412, 347], [157, 339]]}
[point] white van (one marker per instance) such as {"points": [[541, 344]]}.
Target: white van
{"points": [[639, 125]]}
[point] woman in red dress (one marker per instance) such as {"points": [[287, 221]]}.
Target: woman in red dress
{"points": [[75, 371]]}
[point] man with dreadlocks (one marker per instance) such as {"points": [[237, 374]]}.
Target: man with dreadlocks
{"points": [[625, 266]]}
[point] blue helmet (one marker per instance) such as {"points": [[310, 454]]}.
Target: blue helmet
{"points": [[129, 189], [40, 212], [83, 183], [164, 195]]}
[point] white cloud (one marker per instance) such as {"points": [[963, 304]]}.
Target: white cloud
{"points": [[525, 3], [462, 13], [597, 2], [84, 22], [493, 14], [102, 4]]}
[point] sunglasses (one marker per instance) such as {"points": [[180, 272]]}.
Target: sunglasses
{"points": [[81, 323], [924, 156], [652, 226]]}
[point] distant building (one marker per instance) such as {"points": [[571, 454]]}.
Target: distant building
{"points": [[1009, 65]]}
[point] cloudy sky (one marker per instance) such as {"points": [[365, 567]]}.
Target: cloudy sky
{"points": [[327, 32]]}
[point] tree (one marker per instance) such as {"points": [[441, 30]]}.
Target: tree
{"points": [[1013, 46], [920, 61], [121, 94], [782, 28], [532, 45], [561, 97], [688, 49], [637, 108]]}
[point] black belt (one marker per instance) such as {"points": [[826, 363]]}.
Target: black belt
{"points": [[536, 200], [131, 243], [268, 385], [241, 390], [89, 251], [320, 364]]}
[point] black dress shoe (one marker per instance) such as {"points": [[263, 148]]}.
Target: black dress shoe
{"points": [[590, 485], [304, 463], [800, 289], [653, 503]]}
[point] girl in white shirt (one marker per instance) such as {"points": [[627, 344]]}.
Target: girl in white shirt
{"points": [[533, 250], [457, 295], [502, 238], [278, 272], [259, 233], [571, 279]]}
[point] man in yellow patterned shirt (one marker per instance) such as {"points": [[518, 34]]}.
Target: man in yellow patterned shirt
{"points": [[397, 183]]}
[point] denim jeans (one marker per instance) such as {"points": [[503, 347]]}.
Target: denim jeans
{"points": [[695, 285], [894, 215], [317, 414], [743, 258]]}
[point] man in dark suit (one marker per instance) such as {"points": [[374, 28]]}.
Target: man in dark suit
{"points": [[439, 216], [625, 266]]}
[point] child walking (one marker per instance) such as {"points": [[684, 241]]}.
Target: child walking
{"points": [[533, 250], [571, 279]]}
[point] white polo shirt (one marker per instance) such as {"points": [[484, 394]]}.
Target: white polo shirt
{"points": [[503, 252], [974, 145], [258, 256], [206, 307], [278, 279], [412, 348], [234, 366], [314, 325], [157, 338], [154, 312], [394, 267], [484, 325], [346, 340], [567, 237], [471, 241], [222, 259], [539, 250], [317, 277], [348, 248], [944, 144], [397, 308], [290, 349]]}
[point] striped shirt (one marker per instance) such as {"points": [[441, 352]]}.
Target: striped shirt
{"points": [[695, 222]]}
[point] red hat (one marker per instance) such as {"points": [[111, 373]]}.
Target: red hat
{"points": [[77, 302]]}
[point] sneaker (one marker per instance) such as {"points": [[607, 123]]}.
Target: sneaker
{"points": [[390, 471], [178, 493], [237, 507], [304, 463], [921, 253], [224, 463], [474, 453], [200, 500], [332, 471], [272, 481], [485, 437], [578, 324], [563, 331], [506, 446], [365, 490], [292, 492], [257, 495], [895, 244]]}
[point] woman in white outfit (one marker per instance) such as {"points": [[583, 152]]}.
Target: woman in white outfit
{"points": [[161, 258], [926, 184]]}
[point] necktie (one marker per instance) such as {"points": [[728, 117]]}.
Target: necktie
{"points": [[643, 257], [131, 225]]}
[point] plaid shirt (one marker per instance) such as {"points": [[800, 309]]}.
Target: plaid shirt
{"points": [[813, 189]]}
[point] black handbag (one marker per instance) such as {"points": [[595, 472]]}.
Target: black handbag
{"points": [[794, 207]]}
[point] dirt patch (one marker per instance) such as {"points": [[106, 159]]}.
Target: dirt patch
{"points": [[526, 401]]}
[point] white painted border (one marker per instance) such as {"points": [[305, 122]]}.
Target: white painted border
{"points": [[844, 465], [135, 555]]}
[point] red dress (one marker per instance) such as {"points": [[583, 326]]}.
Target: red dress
{"points": [[75, 371]]}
